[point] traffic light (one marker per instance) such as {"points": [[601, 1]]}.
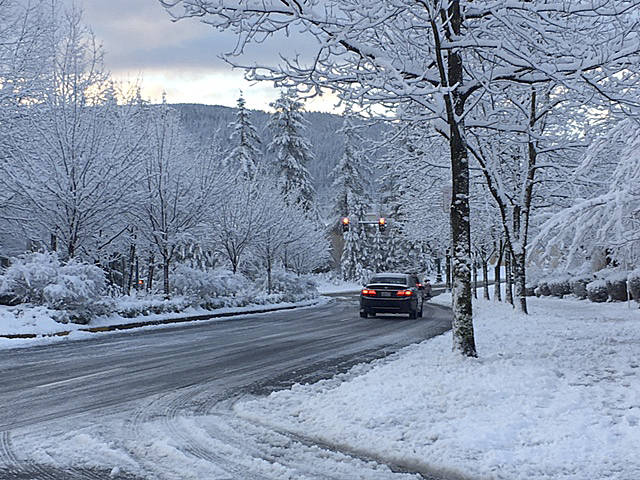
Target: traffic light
{"points": [[345, 224], [382, 224]]}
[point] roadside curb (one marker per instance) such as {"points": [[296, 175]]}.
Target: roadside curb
{"points": [[165, 321]]}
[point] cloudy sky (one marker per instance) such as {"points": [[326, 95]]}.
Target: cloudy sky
{"points": [[180, 58]]}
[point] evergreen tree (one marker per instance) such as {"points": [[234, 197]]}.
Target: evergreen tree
{"points": [[351, 177], [379, 252], [351, 174], [355, 256], [395, 182], [246, 153], [292, 151], [404, 183]]}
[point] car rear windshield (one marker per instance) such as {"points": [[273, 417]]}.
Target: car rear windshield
{"points": [[391, 280]]}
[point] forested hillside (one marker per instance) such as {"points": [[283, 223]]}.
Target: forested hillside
{"points": [[205, 121]]}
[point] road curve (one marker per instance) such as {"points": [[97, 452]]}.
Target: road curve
{"points": [[197, 366]]}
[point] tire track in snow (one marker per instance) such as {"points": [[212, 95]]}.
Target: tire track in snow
{"points": [[8, 457]]}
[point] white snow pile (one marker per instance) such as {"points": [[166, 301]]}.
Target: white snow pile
{"points": [[553, 395]]}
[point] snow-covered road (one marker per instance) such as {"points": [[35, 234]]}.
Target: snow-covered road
{"points": [[157, 404]]}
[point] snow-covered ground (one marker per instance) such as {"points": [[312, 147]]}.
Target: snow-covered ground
{"points": [[333, 285], [553, 395]]}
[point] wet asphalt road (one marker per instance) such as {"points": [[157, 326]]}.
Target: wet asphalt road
{"points": [[257, 353], [164, 374]]}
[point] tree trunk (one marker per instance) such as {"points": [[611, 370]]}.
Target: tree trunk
{"points": [[137, 279], [110, 278], [475, 279], [165, 275], [520, 281], [123, 272], [508, 277], [497, 290], [150, 274], [448, 271], [54, 242], [462, 327], [269, 275], [132, 257], [485, 275]]}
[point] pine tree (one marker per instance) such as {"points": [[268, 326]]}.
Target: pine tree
{"points": [[395, 182], [292, 151], [351, 174], [355, 256], [246, 153], [379, 252]]}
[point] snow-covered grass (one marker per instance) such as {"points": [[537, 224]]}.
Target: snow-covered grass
{"points": [[554, 395]]}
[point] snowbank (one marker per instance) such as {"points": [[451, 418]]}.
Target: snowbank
{"points": [[56, 298], [327, 284], [37, 321], [554, 395]]}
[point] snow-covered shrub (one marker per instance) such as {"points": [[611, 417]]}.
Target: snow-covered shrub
{"points": [[559, 286], [26, 278], [530, 289], [75, 287], [205, 285], [634, 284], [617, 286], [597, 291], [579, 285], [131, 306], [542, 289], [39, 278], [292, 287]]}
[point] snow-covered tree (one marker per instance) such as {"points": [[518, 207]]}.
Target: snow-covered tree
{"points": [[352, 174], [608, 221], [25, 30], [535, 133], [72, 170], [292, 151], [178, 187], [284, 229], [23, 35], [311, 251], [414, 182], [237, 219], [350, 187], [441, 56], [355, 259], [246, 154], [379, 250]]}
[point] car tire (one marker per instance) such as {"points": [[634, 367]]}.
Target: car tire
{"points": [[413, 314], [364, 314], [420, 312]]}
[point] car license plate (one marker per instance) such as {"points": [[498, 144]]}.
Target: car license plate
{"points": [[385, 294]]}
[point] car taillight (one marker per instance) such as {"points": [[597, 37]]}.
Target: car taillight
{"points": [[404, 293], [368, 292], [418, 285]]}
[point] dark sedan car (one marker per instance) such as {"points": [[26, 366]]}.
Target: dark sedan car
{"points": [[392, 293]]}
